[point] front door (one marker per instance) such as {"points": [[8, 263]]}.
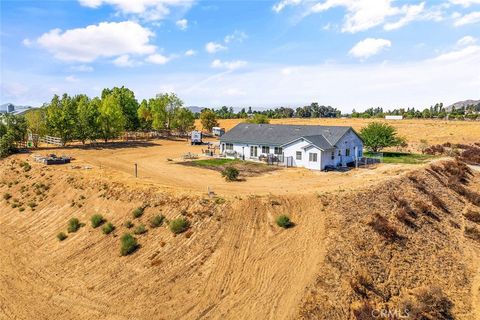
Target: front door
{"points": [[253, 151]]}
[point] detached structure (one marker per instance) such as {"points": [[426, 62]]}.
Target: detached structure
{"points": [[312, 147]]}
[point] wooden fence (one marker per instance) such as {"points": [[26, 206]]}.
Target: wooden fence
{"points": [[51, 140]]}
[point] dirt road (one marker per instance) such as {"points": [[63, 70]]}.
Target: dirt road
{"points": [[155, 168]]}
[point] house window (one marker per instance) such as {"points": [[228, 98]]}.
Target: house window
{"points": [[278, 150], [312, 157], [298, 155], [333, 155], [265, 149], [339, 152], [253, 151], [228, 146], [347, 152]]}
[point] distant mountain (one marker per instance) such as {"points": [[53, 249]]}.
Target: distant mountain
{"points": [[195, 109], [461, 104]]}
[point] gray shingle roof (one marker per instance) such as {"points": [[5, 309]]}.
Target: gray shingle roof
{"points": [[318, 141], [323, 137]]}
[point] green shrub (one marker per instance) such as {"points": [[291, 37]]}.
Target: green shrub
{"points": [[284, 221], [21, 209], [108, 228], [179, 225], [32, 204], [140, 229], [128, 224], [26, 166], [97, 220], [137, 213], [7, 196], [230, 173], [73, 225], [128, 244], [157, 221], [472, 233], [219, 200], [61, 236], [473, 216]]}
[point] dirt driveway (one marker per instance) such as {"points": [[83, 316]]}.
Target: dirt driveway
{"points": [[159, 163]]}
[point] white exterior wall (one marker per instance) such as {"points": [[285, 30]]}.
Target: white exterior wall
{"points": [[349, 141], [244, 149], [290, 150]]}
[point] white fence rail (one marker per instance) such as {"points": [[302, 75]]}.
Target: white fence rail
{"points": [[51, 140]]}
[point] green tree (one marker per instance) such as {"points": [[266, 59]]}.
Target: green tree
{"points": [[377, 136], [158, 112], [208, 119], [128, 104], [173, 103], [183, 121], [61, 118], [111, 120], [88, 111], [259, 119], [12, 129], [36, 124], [145, 115]]}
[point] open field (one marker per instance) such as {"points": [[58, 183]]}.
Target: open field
{"points": [[159, 164], [234, 262], [379, 237], [433, 131]]}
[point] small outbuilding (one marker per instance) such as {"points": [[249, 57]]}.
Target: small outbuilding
{"points": [[393, 117], [217, 131]]}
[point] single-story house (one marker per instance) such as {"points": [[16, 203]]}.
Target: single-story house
{"points": [[312, 147]]}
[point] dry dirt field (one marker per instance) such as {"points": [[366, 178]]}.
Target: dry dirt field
{"points": [[382, 238], [338, 261], [433, 131], [159, 164]]}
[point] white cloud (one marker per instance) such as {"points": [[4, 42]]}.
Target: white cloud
{"points": [[157, 59], [466, 41], [288, 71], [229, 65], [369, 47], [235, 36], [147, 9], [81, 68], [107, 39], [412, 13], [370, 83], [27, 42], [124, 61], [465, 3], [469, 18], [190, 53], [460, 55], [71, 78], [285, 3], [182, 24], [365, 14], [213, 47]]}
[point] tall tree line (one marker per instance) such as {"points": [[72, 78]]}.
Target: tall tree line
{"points": [[314, 110], [437, 111], [106, 117]]}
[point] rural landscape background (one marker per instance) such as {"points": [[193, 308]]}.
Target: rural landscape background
{"points": [[112, 208]]}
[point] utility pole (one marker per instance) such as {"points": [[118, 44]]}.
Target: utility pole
{"points": [[136, 171]]}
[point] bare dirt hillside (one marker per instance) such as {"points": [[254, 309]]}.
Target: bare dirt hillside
{"points": [[407, 241]]}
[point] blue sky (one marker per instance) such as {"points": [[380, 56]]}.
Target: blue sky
{"points": [[344, 53]]}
